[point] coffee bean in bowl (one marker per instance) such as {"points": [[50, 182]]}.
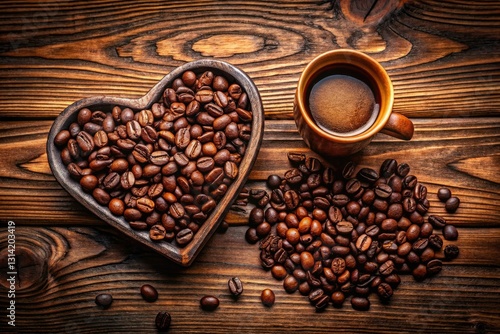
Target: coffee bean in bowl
{"points": [[163, 169]]}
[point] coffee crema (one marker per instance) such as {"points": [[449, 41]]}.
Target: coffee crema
{"points": [[342, 103]]}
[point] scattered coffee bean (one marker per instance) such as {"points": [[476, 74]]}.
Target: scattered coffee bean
{"points": [[209, 303], [267, 297], [163, 321], [337, 234], [452, 204], [235, 286], [450, 232], [223, 227], [451, 252], [360, 303], [104, 300], [149, 293], [444, 194]]}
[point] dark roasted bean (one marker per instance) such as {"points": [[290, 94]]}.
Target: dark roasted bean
{"points": [[452, 204], [209, 303], [235, 286], [149, 293], [104, 300], [450, 232], [451, 252], [163, 320]]}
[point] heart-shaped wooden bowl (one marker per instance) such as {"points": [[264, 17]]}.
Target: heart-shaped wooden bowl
{"points": [[181, 255]]}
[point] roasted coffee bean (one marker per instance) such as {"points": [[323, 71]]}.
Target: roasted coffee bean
{"points": [[159, 158], [348, 170], [89, 182], [338, 298], [388, 168], [145, 205], [101, 196], [383, 191], [437, 221], [403, 169], [163, 320], [104, 300], [352, 186], [360, 303], [386, 268], [435, 242], [367, 174], [420, 272], [184, 236], [100, 138], [420, 192], [251, 235], [235, 286], [450, 232], [290, 284], [293, 176], [209, 303], [384, 291], [444, 194], [149, 293], [363, 243], [231, 170], [111, 180], [452, 204], [85, 142], [434, 266], [157, 232], [267, 297], [134, 129], [62, 137], [410, 181], [451, 252], [256, 216], [296, 158]]}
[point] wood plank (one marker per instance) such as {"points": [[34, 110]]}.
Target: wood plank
{"points": [[442, 153], [442, 55], [63, 269]]}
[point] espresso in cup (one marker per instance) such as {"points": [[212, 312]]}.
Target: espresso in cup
{"points": [[343, 99], [343, 102]]}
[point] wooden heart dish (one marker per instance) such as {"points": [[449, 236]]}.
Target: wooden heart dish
{"points": [[80, 151]]}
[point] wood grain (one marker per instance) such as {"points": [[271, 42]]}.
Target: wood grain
{"points": [[56, 52], [443, 58]]}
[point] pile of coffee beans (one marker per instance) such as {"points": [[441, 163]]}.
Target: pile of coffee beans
{"points": [[163, 169], [331, 234]]}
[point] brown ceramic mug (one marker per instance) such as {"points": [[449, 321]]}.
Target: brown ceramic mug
{"points": [[343, 99]]}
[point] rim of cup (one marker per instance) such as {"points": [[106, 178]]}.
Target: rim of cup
{"points": [[370, 66]]}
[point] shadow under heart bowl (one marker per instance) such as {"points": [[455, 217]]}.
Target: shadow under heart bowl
{"points": [[186, 254]]}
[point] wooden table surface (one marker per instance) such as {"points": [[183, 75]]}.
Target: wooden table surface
{"points": [[444, 60]]}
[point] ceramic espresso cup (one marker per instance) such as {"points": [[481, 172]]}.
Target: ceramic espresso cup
{"points": [[343, 99]]}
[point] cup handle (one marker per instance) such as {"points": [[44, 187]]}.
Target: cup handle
{"points": [[398, 126]]}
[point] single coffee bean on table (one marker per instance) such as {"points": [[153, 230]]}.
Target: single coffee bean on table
{"points": [[452, 204], [343, 234], [142, 164], [267, 297], [163, 320], [149, 293], [209, 303], [235, 286], [104, 300]]}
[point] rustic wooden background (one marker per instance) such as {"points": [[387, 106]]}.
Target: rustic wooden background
{"points": [[444, 59]]}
